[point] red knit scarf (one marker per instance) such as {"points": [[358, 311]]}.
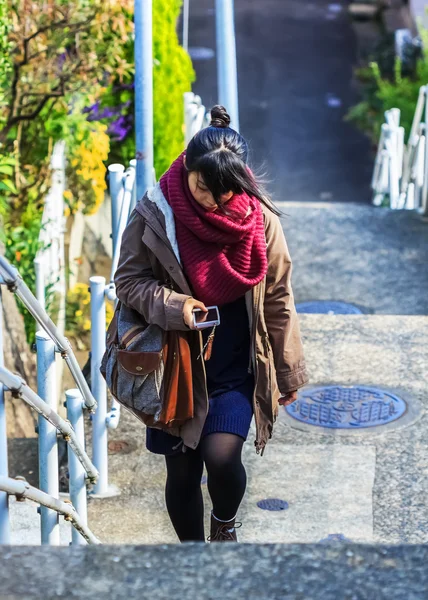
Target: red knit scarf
{"points": [[223, 256]]}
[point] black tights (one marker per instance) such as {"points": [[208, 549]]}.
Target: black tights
{"points": [[221, 453]]}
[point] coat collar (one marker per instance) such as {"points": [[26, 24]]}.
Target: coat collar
{"points": [[158, 214], [159, 218]]}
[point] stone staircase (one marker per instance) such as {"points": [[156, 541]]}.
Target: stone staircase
{"points": [[366, 486]]}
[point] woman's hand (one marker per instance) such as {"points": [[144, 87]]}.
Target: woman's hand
{"points": [[288, 398], [189, 307]]}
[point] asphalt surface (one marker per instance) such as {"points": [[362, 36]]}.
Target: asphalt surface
{"points": [[295, 61]]}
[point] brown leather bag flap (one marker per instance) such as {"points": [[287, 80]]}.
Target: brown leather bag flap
{"points": [[139, 363]]}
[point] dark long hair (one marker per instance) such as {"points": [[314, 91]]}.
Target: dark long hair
{"points": [[220, 155]]}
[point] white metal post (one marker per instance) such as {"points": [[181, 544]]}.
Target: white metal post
{"points": [[40, 281], [99, 390], [74, 403], [143, 51], [420, 169], [115, 175], [4, 499], [227, 75], [186, 24], [424, 200], [133, 165], [48, 447]]}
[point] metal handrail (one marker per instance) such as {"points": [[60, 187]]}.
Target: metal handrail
{"points": [[22, 489], [13, 280], [125, 201], [19, 388]]}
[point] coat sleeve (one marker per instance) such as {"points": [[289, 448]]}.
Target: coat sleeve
{"points": [[280, 313], [137, 287]]}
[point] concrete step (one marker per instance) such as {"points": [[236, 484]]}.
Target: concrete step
{"points": [[215, 572]]}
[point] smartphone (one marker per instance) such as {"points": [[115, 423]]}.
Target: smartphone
{"points": [[201, 319]]}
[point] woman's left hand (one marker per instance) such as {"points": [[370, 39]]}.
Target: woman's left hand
{"points": [[288, 398]]}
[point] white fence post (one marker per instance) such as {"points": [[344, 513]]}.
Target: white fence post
{"points": [[74, 404], [48, 447]]}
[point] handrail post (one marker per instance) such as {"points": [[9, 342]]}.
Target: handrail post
{"points": [[48, 447], [40, 281], [4, 499], [74, 404], [99, 389], [115, 175]]}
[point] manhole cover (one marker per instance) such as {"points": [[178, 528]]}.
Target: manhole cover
{"points": [[325, 307], [272, 504], [339, 407], [119, 447]]}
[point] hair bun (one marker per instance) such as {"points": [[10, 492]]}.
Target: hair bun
{"points": [[219, 117]]}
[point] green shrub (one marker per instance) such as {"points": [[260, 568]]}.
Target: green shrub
{"points": [[383, 90]]}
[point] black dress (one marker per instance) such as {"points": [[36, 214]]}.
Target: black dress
{"points": [[230, 384]]}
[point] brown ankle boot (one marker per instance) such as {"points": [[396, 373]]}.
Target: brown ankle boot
{"points": [[220, 530]]}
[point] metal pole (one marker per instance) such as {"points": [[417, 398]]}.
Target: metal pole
{"points": [[115, 174], [424, 207], [143, 50], [123, 218], [48, 447], [226, 60], [133, 165], [40, 281], [74, 403], [99, 390], [4, 499], [186, 4]]}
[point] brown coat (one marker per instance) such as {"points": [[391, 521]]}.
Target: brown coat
{"points": [[151, 280]]}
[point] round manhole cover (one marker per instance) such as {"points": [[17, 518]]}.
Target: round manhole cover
{"points": [[272, 504], [325, 307], [340, 407]]}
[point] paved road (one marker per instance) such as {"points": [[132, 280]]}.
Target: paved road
{"points": [[295, 57]]}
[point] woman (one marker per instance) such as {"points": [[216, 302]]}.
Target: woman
{"points": [[208, 235]]}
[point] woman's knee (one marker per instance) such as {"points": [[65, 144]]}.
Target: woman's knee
{"points": [[222, 455], [184, 473]]}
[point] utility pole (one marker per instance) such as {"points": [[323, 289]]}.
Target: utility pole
{"points": [[143, 53], [226, 60], [186, 4]]}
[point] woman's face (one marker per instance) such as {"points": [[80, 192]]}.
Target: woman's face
{"points": [[202, 195]]}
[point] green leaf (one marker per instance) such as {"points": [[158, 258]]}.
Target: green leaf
{"points": [[8, 186]]}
